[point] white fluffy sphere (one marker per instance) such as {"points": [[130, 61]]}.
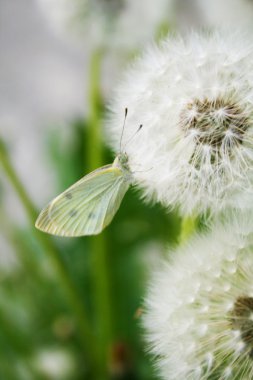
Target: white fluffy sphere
{"points": [[194, 97], [199, 310], [120, 24]]}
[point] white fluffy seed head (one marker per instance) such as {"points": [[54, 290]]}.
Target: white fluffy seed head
{"points": [[194, 98], [122, 24], [199, 310], [52, 363]]}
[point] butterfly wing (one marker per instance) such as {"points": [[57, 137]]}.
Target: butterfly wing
{"points": [[88, 206]]}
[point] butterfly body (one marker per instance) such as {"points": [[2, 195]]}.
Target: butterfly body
{"points": [[89, 205], [121, 162]]}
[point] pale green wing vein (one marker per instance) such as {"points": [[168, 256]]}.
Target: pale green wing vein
{"points": [[115, 201], [101, 213], [87, 206]]}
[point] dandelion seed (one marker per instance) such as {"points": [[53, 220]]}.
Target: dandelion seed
{"points": [[114, 23], [54, 363], [198, 121], [212, 336]]}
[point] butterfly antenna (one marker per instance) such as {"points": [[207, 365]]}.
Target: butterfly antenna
{"points": [[123, 128], [135, 133]]}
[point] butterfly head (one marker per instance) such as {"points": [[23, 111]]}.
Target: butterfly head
{"points": [[123, 158], [121, 161]]}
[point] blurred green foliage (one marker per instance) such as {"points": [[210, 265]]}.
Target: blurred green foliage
{"points": [[70, 309], [38, 328]]}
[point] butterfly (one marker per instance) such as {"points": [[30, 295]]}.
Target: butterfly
{"points": [[89, 205]]}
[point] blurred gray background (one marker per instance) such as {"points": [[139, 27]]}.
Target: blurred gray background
{"points": [[41, 84]]}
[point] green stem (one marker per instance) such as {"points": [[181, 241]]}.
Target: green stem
{"points": [[17, 346], [16, 183], [74, 299], [22, 247], [188, 227], [94, 154], [99, 251]]}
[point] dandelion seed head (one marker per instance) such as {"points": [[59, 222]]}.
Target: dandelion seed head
{"points": [[195, 147], [110, 23], [211, 336], [54, 363]]}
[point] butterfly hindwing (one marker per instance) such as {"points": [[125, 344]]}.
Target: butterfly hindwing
{"points": [[88, 206]]}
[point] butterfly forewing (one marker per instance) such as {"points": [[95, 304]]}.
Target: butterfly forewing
{"points": [[88, 206]]}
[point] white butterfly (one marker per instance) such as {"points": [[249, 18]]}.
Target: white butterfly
{"points": [[89, 205]]}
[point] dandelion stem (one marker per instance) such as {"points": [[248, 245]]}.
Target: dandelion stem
{"points": [[16, 183], [99, 251], [188, 226], [74, 299], [94, 154], [15, 345]]}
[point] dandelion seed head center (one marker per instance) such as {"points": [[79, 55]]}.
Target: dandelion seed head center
{"points": [[241, 319], [215, 122]]}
